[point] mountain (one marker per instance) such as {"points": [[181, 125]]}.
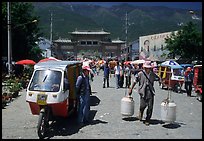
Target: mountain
{"points": [[141, 20]]}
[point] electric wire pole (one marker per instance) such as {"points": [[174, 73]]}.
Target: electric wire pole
{"points": [[51, 33], [51, 27], [9, 38], [126, 34]]}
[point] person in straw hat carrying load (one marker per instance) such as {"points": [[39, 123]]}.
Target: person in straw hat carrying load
{"points": [[146, 91]]}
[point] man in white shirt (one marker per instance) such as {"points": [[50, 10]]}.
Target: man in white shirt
{"points": [[117, 69]]}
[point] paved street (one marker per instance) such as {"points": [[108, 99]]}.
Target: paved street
{"points": [[19, 123]]}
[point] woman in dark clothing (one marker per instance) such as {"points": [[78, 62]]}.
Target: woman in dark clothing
{"points": [[122, 75], [106, 75]]}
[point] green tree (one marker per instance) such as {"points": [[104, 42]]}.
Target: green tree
{"points": [[187, 43], [24, 32]]}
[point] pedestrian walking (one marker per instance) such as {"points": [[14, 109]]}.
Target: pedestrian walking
{"points": [[146, 91], [128, 76], [188, 79], [106, 75], [117, 69], [97, 68], [122, 70], [83, 92]]}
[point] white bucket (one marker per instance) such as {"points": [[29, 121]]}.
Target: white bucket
{"points": [[127, 106], [168, 111]]}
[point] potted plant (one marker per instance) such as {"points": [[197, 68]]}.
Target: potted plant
{"points": [[14, 89]]}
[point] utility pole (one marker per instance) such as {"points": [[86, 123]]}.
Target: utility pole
{"points": [[127, 24], [51, 27], [126, 35], [50, 33], [9, 38]]}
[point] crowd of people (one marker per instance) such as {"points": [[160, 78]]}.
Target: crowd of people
{"points": [[122, 73], [144, 74], [126, 75]]}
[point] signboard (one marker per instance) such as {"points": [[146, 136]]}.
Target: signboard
{"points": [[152, 47]]}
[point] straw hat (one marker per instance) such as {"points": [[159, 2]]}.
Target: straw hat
{"points": [[147, 64]]}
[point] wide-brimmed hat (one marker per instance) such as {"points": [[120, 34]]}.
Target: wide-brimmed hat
{"points": [[147, 64], [86, 68]]}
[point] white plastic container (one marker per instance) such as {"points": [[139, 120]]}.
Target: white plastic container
{"points": [[127, 106], [168, 111]]}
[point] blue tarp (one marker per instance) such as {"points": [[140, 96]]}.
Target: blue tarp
{"points": [[187, 65], [171, 64]]}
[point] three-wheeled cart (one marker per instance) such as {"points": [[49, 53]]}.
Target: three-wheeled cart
{"points": [[51, 91], [197, 81], [170, 73]]}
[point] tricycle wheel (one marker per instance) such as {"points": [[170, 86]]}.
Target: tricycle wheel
{"points": [[199, 97], [177, 88], [161, 86], [41, 128]]}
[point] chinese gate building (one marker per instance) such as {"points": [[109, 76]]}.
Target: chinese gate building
{"points": [[89, 44]]}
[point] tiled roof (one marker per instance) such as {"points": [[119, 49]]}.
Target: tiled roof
{"points": [[90, 32], [62, 41], [118, 41]]}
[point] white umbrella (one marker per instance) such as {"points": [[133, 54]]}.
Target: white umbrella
{"points": [[138, 61], [170, 63]]}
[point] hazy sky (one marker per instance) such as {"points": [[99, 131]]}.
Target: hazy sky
{"points": [[183, 5]]}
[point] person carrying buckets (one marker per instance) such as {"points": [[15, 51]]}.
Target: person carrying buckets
{"points": [[146, 91]]}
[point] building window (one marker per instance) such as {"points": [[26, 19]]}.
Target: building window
{"points": [[83, 43], [95, 43], [154, 48], [89, 43]]}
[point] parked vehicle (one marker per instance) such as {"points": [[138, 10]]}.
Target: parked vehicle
{"points": [[197, 81], [51, 91], [170, 73]]}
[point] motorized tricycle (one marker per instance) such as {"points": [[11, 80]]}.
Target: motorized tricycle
{"points": [[170, 73], [197, 81], [51, 91]]}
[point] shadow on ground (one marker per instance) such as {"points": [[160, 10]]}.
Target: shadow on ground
{"points": [[156, 121], [68, 126], [173, 125], [94, 100], [130, 118]]}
